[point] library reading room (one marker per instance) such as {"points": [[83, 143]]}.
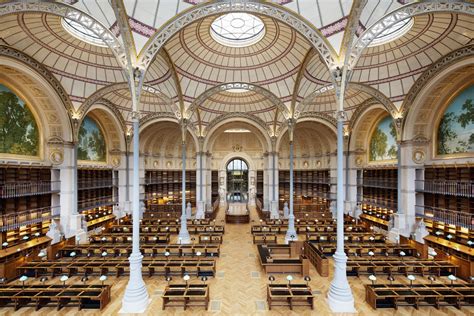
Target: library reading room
{"points": [[237, 157]]}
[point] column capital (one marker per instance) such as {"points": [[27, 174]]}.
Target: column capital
{"points": [[341, 116]]}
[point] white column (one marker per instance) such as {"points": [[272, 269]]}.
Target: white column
{"points": [[333, 186], [124, 205], [201, 184], [291, 232], [351, 184], [340, 297], [183, 236], [274, 208], [267, 181], [135, 299]]}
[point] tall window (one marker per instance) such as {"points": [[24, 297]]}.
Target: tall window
{"points": [[237, 180], [18, 130]]}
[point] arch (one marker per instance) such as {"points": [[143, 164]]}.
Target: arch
{"points": [[66, 11], [250, 120], [25, 146], [237, 155], [362, 123], [109, 117], [93, 123], [236, 85], [420, 97], [304, 27], [402, 13]]}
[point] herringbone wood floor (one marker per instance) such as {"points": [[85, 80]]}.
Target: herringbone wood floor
{"points": [[239, 288]]}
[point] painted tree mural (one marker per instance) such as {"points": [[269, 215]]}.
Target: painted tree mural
{"points": [[383, 143], [18, 130], [456, 128], [91, 142]]}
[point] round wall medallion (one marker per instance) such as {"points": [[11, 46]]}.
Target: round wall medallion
{"points": [[306, 164], [155, 163], [318, 163], [116, 162], [358, 161], [56, 157], [169, 164], [418, 156]]}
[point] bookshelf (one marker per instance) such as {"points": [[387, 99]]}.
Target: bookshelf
{"points": [[310, 187], [260, 185], [448, 208], [97, 192], [214, 185], [164, 187], [377, 190]]}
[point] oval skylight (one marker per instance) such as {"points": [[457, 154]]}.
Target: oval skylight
{"points": [[81, 32], [237, 29], [395, 31]]}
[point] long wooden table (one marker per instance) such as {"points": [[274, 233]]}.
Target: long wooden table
{"points": [[118, 250], [422, 267], [172, 228], [119, 266], [146, 238], [349, 237], [395, 295], [186, 295], [289, 295], [82, 296], [306, 228]]}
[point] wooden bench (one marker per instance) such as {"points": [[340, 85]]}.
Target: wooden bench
{"points": [[437, 295], [264, 238], [422, 267], [82, 296], [289, 295], [186, 295], [317, 258]]}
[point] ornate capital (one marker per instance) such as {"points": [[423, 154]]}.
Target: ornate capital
{"points": [[341, 116]]}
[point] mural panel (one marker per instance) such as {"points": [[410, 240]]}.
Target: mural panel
{"points": [[456, 128], [383, 143], [91, 142], [18, 129]]}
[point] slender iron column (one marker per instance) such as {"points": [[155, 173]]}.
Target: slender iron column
{"points": [[135, 299], [183, 237], [291, 232]]}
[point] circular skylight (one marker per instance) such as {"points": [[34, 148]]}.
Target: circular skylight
{"points": [[393, 32], [81, 32], [237, 29]]}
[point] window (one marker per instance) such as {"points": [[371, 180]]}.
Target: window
{"points": [[81, 32], [237, 29], [395, 31]]}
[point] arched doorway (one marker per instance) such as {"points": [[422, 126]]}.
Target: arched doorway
{"points": [[237, 180]]}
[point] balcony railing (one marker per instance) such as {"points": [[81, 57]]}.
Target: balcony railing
{"points": [[15, 220], [16, 189], [446, 187], [96, 202], [377, 183], [452, 217], [383, 203], [96, 183]]}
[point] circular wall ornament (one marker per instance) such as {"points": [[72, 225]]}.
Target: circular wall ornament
{"points": [[305, 164], [116, 162], [155, 164], [169, 164], [418, 156], [318, 163], [358, 161], [56, 157]]}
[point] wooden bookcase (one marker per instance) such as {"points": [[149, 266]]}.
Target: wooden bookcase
{"points": [[25, 203], [260, 185], [214, 185], [448, 208], [310, 187], [378, 195], [164, 187], [97, 192]]}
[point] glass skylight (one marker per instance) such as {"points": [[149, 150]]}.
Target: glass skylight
{"points": [[395, 31], [237, 90], [81, 32], [237, 29]]}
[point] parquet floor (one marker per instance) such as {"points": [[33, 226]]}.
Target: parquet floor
{"points": [[239, 288]]}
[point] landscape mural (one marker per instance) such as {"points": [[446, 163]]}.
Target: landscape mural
{"points": [[456, 128], [91, 141], [383, 143], [18, 129]]}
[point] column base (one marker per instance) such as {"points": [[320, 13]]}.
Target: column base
{"points": [[291, 234], [135, 299], [338, 306], [81, 237], [184, 239]]}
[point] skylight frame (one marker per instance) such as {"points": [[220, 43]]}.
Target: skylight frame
{"points": [[393, 32], [237, 29], [82, 33]]}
